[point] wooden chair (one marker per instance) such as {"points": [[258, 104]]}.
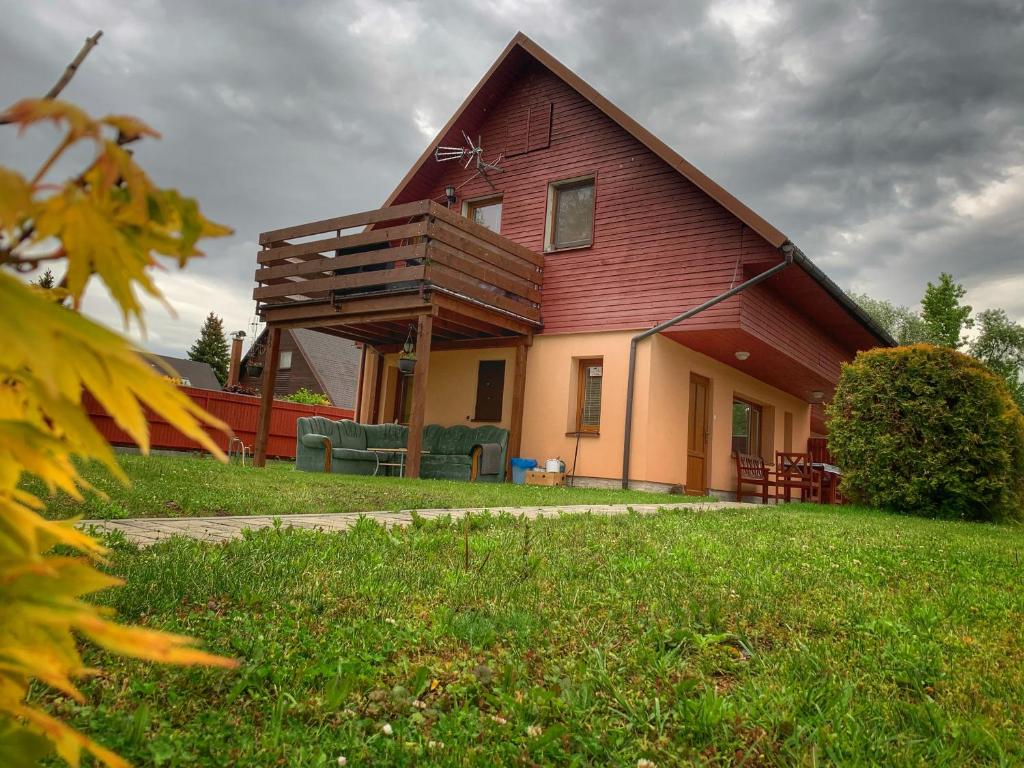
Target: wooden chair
{"points": [[795, 471], [751, 470]]}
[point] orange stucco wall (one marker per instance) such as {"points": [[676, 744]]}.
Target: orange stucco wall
{"points": [[451, 386], [660, 408], [660, 404], [551, 395], [672, 364]]}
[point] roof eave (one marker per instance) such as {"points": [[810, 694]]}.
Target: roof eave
{"points": [[844, 300]]}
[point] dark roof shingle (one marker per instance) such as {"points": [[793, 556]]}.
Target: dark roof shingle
{"points": [[335, 363], [192, 373]]}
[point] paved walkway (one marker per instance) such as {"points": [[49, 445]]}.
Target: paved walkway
{"points": [[145, 531]]}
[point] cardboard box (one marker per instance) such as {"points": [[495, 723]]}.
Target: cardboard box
{"points": [[540, 477]]}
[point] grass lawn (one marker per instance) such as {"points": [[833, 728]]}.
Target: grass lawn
{"points": [[189, 486], [774, 636]]}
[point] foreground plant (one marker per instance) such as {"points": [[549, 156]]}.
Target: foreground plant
{"points": [[111, 222], [928, 430]]}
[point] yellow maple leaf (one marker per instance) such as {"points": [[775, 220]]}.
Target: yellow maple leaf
{"points": [[30, 111], [15, 199]]}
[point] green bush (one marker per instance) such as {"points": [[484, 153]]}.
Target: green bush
{"points": [[306, 397], [928, 430]]}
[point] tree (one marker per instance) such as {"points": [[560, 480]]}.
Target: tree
{"points": [[212, 347], [1000, 345], [928, 430], [111, 224], [944, 317], [902, 323], [46, 280]]}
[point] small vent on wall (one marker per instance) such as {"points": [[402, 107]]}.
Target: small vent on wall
{"points": [[529, 130]]}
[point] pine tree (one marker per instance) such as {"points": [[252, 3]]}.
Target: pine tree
{"points": [[45, 280], [212, 347], [945, 318]]}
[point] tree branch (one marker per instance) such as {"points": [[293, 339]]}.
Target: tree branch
{"points": [[69, 72]]}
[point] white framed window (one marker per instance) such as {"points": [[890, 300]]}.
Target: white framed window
{"points": [[484, 211], [570, 215], [284, 360]]}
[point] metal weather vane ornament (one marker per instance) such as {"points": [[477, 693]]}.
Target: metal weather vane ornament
{"points": [[472, 154]]}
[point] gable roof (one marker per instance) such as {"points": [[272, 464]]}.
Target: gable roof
{"points": [[193, 373], [703, 182], [333, 360], [504, 68]]}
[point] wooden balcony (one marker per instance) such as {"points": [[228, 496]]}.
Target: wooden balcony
{"points": [[412, 265], [409, 260]]}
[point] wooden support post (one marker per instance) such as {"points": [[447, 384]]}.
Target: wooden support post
{"points": [[515, 438], [424, 327], [361, 385], [270, 361], [378, 382]]}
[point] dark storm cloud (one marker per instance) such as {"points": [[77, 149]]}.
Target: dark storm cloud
{"points": [[886, 139]]}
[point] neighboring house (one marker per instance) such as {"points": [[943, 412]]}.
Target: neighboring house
{"points": [[190, 373], [328, 365], [603, 232]]}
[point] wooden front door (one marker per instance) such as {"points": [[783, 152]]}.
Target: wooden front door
{"points": [[698, 433]]}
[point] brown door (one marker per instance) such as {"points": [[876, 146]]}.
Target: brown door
{"points": [[697, 434], [490, 390]]}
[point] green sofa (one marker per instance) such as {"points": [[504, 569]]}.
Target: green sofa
{"points": [[323, 445]]}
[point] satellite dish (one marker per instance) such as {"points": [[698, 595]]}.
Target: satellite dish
{"points": [[473, 154]]}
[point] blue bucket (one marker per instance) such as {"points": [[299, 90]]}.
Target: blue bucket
{"points": [[519, 469]]}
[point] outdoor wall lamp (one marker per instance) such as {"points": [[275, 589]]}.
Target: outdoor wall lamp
{"points": [[817, 396], [742, 355], [449, 194]]}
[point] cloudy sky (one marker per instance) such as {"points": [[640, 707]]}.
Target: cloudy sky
{"points": [[885, 138]]}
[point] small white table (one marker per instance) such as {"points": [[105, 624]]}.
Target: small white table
{"points": [[402, 452]]}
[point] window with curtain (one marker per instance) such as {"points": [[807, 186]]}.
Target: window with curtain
{"points": [[588, 398], [571, 214], [746, 427]]}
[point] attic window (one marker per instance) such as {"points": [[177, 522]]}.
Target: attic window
{"points": [[570, 220], [284, 362]]}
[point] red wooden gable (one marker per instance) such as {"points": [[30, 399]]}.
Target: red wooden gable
{"points": [[666, 238]]}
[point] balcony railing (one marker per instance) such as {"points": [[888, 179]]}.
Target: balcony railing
{"points": [[421, 251]]}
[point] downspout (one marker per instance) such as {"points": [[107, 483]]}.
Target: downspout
{"points": [[788, 258]]}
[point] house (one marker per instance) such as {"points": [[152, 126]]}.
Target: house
{"points": [[190, 373], [535, 274], [324, 364]]}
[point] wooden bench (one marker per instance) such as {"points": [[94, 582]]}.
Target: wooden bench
{"points": [[751, 470]]}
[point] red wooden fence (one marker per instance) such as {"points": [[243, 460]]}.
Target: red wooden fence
{"points": [[238, 411]]}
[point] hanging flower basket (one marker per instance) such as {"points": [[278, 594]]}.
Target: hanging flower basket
{"points": [[407, 357], [253, 370]]}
